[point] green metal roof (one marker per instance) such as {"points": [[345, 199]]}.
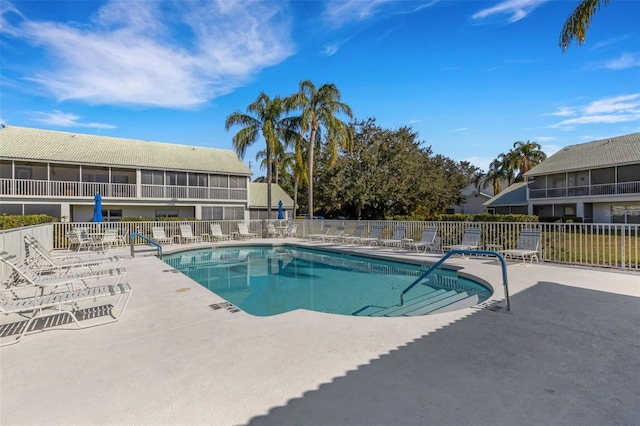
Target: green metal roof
{"points": [[602, 153], [258, 196], [22, 143], [515, 195]]}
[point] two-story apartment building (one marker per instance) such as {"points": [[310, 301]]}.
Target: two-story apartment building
{"points": [[59, 173], [598, 181]]}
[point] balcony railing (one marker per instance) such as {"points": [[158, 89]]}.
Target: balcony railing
{"points": [[63, 189], [587, 190]]}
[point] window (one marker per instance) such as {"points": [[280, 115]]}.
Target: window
{"points": [[95, 177], [23, 172], [219, 181], [237, 182], [112, 215], [234, 213], [177, 178], [198, 179], [152, 177], [212, 213], [165, 213]]}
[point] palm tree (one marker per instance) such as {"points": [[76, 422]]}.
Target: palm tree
{"points": [[318, 108], [494, 176], [577, 24], [263, 118], [508, 166], [527, 155]]}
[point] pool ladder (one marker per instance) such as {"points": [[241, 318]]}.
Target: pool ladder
{"points": [[447, 255], [148, 240]]}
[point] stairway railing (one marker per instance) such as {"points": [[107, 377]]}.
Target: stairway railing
{"points": [[132, 237], [505, 281]]}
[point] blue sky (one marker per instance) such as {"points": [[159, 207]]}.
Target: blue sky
{"points": [[471, 77]]}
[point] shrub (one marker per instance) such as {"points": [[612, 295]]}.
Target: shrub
{"points": [[485, 217], [16, 221], [560, 219]]}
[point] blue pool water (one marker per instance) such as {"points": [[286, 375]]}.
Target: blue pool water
{"points": [[267, 281]]}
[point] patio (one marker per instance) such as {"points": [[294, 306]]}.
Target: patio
{"points": [[566, 354]]}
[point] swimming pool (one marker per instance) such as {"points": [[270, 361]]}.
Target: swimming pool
{"points": [[265, 280]]}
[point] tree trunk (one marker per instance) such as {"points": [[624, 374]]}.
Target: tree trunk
{"points": [[268, 184], [295, 196], [312, 140]]}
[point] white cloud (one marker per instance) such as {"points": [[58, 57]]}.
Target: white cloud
{"points": [[564, 112], [415, 121], [65, 119], [616, 104], [619, 109], [542, 139], [517, 9], [625, 61], [339, 13], [174, 55], [460, 129]]}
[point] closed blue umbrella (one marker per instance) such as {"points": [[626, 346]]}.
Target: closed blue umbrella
{"points": [[280, 211], [97, 208]]}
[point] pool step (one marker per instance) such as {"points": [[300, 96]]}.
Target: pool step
{"points": [[397, 310], [472, 300], [437, 304]]}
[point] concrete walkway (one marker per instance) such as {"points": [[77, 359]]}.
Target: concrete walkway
{"points": [[567, 354]]}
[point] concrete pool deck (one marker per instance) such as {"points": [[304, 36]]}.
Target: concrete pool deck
{"points": [[567, 354]]}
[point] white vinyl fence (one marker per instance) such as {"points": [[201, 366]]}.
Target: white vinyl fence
{"points": [[601, 245]]}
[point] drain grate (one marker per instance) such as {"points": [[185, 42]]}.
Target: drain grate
{"points": [[225, 305], [493, 306]]}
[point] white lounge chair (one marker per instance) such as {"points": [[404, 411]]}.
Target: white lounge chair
{"points": [[397, 237], [335, 236], [216, 233], [373, 236], [63, 298], [24, 276], [470, 240], [186, 235], [528, 246], [355, 236], [325, 230], [429, 240], [243, 232], [41, 259], [159, 235]]}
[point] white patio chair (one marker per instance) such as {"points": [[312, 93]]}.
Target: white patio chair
{"points": [[79, 238], [41, 259], [291, 231], [243, 232], [396, 239], [63, 298], [186, 235], [216, 233], [528, 246], [24, 276], [159, 236], [373, 236], [272, 232], [325, 230], [429, 240], [355, 236], [337, 235]]}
